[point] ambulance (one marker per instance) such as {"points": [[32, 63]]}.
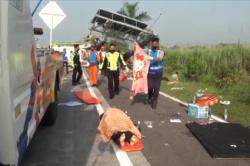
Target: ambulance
{"points": [[29, 81]]}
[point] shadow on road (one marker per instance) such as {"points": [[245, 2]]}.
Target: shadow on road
{"points": [[70, 141]]}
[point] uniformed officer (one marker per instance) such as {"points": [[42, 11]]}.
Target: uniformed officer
{"points": [[77, 68], [112, 62]]}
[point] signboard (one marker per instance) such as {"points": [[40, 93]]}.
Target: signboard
{"points": [[52, 14]]}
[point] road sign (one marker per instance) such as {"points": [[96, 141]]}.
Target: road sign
{"points": [[52, 14]]}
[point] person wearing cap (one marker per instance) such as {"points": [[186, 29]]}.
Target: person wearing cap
{"points": [[77, 67], [155, 71], [93, 59], [112, 62]]}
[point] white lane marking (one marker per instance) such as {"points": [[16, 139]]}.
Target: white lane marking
{"points": [[120, 155], [218, 119], [173, 98], [185, 104], [99, 108]]}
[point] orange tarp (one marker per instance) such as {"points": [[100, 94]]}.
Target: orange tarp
{"points": [[87, 98], [93, 74]]}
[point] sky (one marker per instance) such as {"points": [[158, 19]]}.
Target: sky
{"points": [[182, 22]]}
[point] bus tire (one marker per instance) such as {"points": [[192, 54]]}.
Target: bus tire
{"points": [[50, 115]]}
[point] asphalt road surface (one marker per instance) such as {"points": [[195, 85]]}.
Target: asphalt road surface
{"points": [[74, 141]]}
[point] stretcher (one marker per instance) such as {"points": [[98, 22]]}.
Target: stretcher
{"points": [[87, 98], [131, 148]]}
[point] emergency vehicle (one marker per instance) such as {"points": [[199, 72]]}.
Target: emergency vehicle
{"points": [[29, 80]]}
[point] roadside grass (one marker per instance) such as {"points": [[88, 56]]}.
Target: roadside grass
{"points": [[238, 110]]}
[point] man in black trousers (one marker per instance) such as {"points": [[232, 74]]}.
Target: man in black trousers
{"points": [[112, 62], [77, 67], [155, 71]]}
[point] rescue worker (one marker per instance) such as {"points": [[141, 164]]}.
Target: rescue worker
{"points": [[65, 60], [112, 62], [155, 71], [93, 59], [102, 54], [77, 67]]}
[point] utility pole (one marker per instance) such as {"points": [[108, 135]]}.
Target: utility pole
{"points": [[155, 21], [38, 4]]}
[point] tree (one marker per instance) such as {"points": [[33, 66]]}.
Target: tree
{"points": [[130, 10]]}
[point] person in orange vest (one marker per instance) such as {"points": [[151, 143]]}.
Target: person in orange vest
{"points": [[93, 59]]}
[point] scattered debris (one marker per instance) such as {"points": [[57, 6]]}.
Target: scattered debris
{"points": [[161, 123], [226, 102], [71, 103], [177, 88], [233, 146], [148, 124], [199, 112], [166, 144], [175, 120], [176, 115]]}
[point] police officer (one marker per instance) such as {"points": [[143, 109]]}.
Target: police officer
{"points": [[155, 71], [112, 62], [77, 67]]}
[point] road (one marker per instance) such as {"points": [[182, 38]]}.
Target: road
{"points": [[74, 141]]}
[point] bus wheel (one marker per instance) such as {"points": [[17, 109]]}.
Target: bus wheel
{"points": [[50, 115]]}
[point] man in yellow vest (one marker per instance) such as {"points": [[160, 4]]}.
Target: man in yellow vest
{"points": [[112, 62]]}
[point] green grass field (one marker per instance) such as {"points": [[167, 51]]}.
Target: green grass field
{"points": [[238, 111], [223, 71]]}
